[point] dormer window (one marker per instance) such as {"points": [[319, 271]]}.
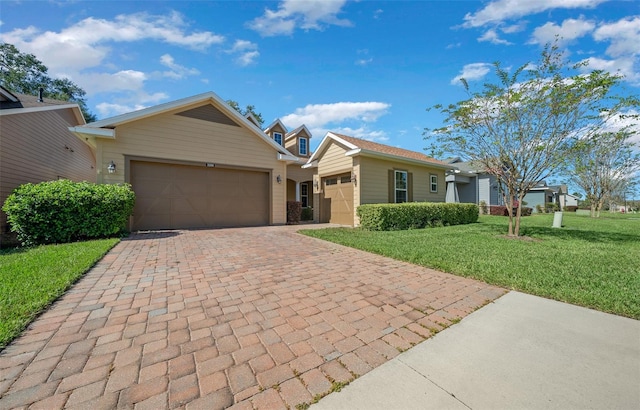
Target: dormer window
{"points": [[277, 137], [302, 146]]}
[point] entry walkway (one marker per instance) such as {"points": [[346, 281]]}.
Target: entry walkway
{"points": [[250, 318]]}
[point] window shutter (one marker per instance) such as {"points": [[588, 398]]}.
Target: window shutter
{"points": [[409, 187], [392, 187]]}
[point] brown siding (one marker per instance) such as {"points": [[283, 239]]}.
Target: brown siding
{"points": [[38, 146], [180, 138], [374, 181]]}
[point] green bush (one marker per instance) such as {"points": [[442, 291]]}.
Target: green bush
{"points": [[415, 215], [64, 211], [307, 214], [294, 211]]}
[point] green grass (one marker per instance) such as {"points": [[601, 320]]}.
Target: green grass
{"points": [[589, 262], [32, 278]]}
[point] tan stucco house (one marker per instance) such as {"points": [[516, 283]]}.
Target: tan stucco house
{"points": [[350, 172], [36, 144], [299, 180], [193, 163]]}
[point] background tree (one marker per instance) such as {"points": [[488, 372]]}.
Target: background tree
{"points": [[248, 109], [605, 166], [25, 74], [521, 129]]}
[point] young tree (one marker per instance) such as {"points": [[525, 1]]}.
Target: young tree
{"points": [[522, 128], [604, 166], [25, 74], [248, 109]]}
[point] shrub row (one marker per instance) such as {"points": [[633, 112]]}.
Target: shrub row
{"points": [[64, 211], [499, 210], [570, 208], [415, 215]]}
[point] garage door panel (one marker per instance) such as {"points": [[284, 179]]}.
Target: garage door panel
{"points": [[338, 200], [170, 196]]}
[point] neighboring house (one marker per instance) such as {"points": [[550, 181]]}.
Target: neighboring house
{"points": [[36, 144], [469, 183], [193, 163], [299, 180], [350, 172]]}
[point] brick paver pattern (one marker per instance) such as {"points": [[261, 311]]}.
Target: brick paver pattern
{"points": [[260, 318]]}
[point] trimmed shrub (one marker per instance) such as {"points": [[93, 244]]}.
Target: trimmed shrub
{"points": [[570, 208], [294, 211], [526, 211], [484, 208], [539, 209], [65, 211], [551, 207], [307, 214], [498, 210], [414, 215]]}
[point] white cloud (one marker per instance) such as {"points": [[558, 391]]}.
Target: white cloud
{"points": [[626, 66], [246, 51], [320, 115], [378, 13], [500, 10], [106, 110], [471, 72], [364, 61], [362, 132], [84, 44], [303, 14], [493, 37], [623, 34], [177, 71], [569, 30]]}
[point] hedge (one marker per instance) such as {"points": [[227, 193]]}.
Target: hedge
{"points": [[64, 211], [415, 215], [500, 210]]}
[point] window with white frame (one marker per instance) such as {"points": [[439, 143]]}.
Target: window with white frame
{"points": [[401, 186], [304, 195], [302, 146], [434, 183], [277, 137]]}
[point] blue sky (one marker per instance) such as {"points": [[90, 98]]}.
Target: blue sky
{"points": [[363, 68]]}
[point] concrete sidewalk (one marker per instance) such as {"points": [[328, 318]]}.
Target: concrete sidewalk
{"points": [[520, 352]]}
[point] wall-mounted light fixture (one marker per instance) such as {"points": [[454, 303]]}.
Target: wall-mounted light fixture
{"points": [[111, 167], [354, 179], [279, 179], [316, 185]]}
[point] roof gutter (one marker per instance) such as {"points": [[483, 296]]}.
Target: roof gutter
{"points": [[94, 132]]}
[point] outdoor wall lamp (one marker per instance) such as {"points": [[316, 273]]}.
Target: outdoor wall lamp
{"points": [[354, 179], [111, 167], [279, 179], [316, 185]]}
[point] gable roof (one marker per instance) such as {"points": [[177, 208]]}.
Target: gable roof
{"points": [[358, 146], [273, 124], [106, 128], [297, 131], [14, 104]]}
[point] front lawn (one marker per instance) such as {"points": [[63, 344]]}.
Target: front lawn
{"points": [[32, 278], [589, 262]]}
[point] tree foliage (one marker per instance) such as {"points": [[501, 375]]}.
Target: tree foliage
{"points": [[522, 128], [605, 166], [249, 109], [24, 73]]}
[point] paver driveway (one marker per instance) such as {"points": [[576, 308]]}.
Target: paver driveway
{"points": [[254, 318]]}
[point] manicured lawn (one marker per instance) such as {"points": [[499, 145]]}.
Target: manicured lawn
{"points": [[589, 262], [31, 279]]}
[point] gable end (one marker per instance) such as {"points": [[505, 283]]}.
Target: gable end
{"points": [[208, 113]]}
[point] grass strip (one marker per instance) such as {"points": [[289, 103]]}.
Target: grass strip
{"points": [[588, 262], [33, 278]]}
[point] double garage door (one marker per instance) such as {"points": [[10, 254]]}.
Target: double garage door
{"points": [[171, 196]]}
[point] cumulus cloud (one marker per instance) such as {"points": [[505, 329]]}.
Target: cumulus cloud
{"points": [[569, 30], [626, 66], [246, 52], [492, 37], [303, 14], [471, 72], [320, 115], [106, 110], [501, 10], [624, 36], [362, 132], [176, 71]]}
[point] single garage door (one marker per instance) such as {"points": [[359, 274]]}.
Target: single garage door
{"points": [[170, 196], [337, 203]]}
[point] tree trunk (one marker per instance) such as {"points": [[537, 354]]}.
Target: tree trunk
{"points": [[518, 216], [593, 210]]}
